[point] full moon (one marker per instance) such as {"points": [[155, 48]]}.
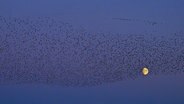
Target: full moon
{"points": [[145, 71]]}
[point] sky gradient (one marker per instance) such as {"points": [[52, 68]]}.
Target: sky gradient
{"points": [[91, 51]]}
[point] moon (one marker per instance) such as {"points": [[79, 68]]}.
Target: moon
{"points": [[145, 71]]}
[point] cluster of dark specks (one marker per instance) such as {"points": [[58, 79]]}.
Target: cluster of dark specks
{"points": [[48, 51], [152, 23]]}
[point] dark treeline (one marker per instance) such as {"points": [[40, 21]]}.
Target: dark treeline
{"points": [[45, 50]]}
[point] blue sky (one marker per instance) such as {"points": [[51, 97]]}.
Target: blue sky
{"points": [[97, 16]]}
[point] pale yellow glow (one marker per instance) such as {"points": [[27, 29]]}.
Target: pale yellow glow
{"points": [[145, 71]]}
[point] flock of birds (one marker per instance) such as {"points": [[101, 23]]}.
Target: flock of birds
{"points": [[152, 23], [45, 50]]}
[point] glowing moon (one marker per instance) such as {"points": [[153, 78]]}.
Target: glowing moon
{"points": [[145, 71]]}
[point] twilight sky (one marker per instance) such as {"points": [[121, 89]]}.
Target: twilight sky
{"points": [[157, 18]]}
